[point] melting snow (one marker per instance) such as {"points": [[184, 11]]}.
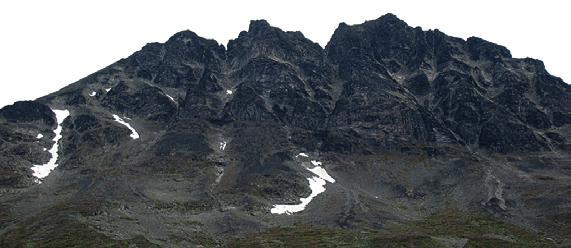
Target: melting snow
{"points": [[222, 145], [93, 93], [41, 171], [39, 136], [229, 92], [134, 133], [317, 185]]}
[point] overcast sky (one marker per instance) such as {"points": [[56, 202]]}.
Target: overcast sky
{"points": [[45, 45]]}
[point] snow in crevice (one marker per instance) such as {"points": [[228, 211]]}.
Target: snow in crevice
{"points": [[107, 90], [170, 97], [93, 93], [316, 184], [223, 145], [39, 136], [134, 133], [42, 171]]}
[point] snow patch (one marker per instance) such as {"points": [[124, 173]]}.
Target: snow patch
{"points": [[39, 136], [134, 133], [41, 171], [223, 145], [229, 92], [170, 97], [320, 172], [93, 93], [316, 184], [107, 90], [302, 155]]}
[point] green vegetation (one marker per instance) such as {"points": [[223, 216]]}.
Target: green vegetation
{"points": [[67, 234], [439, 230], [446, 229], [479, 230]]}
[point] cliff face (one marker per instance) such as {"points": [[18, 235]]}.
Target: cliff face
{"points": [[190, 143], [489, 99]]}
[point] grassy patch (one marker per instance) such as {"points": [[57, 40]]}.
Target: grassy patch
{"points": [[479, 230], [65, 234], [435, 231], [56, 227]]}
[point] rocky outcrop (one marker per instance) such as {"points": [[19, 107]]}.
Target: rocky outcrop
{"points": [[26, 128], [463, 83]]}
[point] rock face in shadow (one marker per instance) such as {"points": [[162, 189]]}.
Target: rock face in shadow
{"points": [[20, 148], [473, 86], [28, 112], [410, 123]]}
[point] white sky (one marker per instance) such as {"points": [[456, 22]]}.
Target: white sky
{"points": [[45, 45]]}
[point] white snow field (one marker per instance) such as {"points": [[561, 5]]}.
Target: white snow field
{"points": [[41, 171], [134, 133], [316, 184]]}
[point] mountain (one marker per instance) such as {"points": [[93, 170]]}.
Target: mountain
{"points": [[390, 136]]}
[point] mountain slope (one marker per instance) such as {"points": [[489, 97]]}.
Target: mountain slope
{"points": [[189, 143]]}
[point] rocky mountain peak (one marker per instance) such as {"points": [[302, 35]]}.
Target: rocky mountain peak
{"points": [[389, 20], [188, 143], [479, 47], [185, 35], [257, 26]]}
